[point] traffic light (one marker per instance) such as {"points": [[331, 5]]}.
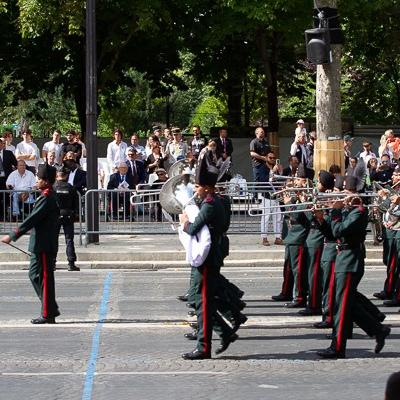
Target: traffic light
{"points": [[318, 46]]}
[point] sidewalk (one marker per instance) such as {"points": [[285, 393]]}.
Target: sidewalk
{"points": [[160, 251]]}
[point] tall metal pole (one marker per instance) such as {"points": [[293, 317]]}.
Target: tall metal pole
{"points": [[91, 119]]}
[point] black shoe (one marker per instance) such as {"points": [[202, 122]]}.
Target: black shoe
{"points": [[239, 321], [380, 295], [330, 353], [225, 343], [43, 320], [190, 305], [191, 313], [196, 355], [73, 267], [380, 339], [191, 335], [183, 297], [281, 297], [309, 311], [322, 325], [294, 304], [391, 303]]}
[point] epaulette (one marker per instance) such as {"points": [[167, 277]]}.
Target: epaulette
{"points": [[46, 192], [209, 199]]}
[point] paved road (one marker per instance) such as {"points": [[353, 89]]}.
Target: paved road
{"points": [[135, 352]]}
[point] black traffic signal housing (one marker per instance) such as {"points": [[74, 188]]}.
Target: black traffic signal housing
{"points": [[318, 46]]}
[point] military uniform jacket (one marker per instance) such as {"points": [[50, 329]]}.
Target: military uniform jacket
{"points": [[212, 214], [350, 229], [315, 236], [298, 227], [44, 224]]}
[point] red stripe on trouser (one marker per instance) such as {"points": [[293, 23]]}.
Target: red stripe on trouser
{"points": [[344, 306], [204, 303], [45, 283], [391, 273], [314, 294], [331, 293], [300, 272]]}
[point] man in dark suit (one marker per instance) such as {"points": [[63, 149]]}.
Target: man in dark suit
{"points": [[292, 168], [8, 163], [135, 167], [224, 144], [77, 176], [120, 182]]}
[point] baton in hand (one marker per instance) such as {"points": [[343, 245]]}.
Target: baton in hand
{"points": [[22, 251]]}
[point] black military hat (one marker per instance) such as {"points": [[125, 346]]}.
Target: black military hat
{"points": [[206, 171], [47, 173], [339, 181], [156, 128], [301, 171], [327, 180], [351, 183]]}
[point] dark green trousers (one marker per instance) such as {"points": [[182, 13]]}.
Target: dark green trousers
{"points": [[314, 274], [328, 259], [351, 306], [296, 259], [390, 259], [41, 274], [205, 285]]}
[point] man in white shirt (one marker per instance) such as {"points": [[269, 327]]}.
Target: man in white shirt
{"points": [[140, 150], [299, 149], [367, 152], [27, 151], [21, 179], [54, 145], [116, 150]]}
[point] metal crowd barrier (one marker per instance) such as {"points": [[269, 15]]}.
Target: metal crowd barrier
{"points": [[8, 215], [128, 212]]}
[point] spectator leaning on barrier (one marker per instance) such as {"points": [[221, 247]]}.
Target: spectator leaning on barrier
{"points": [[21, 179], [7, 163], [27, 151], [53, 145], [71, 146], [259, 148], [136, 168], [116, 150], [76, 176]]}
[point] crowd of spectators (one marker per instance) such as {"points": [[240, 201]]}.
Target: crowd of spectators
{"points": [[129, 164]]}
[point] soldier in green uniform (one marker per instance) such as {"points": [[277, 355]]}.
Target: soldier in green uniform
{"points": [[349, 228], [313, 251], [328, 259], [298, 227], [206, 278], [43, 244]]}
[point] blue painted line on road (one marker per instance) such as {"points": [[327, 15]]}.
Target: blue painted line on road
{"points": [[91, 368]]}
